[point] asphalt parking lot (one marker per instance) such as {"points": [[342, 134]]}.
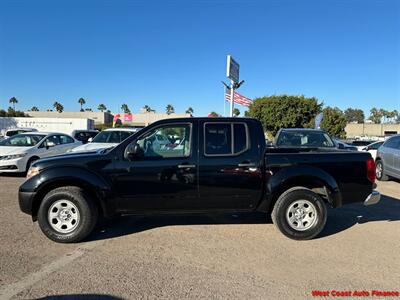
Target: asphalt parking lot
{"points": [[211, 257]]}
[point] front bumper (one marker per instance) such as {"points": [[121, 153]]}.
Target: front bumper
{"points": [[373, 198], [25, 200], [12, 165]]}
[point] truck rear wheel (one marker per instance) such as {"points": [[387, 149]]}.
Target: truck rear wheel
{"points": [[299, 214], [67, 215]]}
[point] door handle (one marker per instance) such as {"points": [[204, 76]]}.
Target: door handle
{"points": [[248, 165], [186, 166]]}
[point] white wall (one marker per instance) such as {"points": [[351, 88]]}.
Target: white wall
{"points": [[46, 124]]}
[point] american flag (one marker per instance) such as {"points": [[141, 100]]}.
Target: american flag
{"points": [[239, 99]]}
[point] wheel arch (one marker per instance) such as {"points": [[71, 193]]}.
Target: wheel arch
{"points": [[91, 183], [312, 178]]}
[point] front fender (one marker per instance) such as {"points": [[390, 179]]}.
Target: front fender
{"points": [[51, 178]]}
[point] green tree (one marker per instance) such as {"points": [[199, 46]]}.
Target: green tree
{"points": [[284, 111], [354, 115], [375, 115], [13, 101], [189, 111], [81, 101], [125, 108], [101, 107], [34, 108], [169, 109], [11, 112], [236, 112], [58, 107], [334, 122], [214, 114]]}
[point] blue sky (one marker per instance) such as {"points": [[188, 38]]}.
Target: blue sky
{"points": [[346, 53]]}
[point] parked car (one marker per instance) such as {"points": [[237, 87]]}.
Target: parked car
{"points": [[106, 139], [388, 159], [14, 131], [223, 167], [303, 137], [342, 145], [84, 136], [18, 152], [361, 144], [373, 148]]}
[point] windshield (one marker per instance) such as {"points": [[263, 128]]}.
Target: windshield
{"points": [[111, 136], [23, 140], [304, 138]]}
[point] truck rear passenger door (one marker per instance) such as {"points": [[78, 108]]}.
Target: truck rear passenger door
{"points": [[229, 166]]}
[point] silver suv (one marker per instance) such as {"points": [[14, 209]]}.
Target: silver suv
{"points": [[388, 159]]}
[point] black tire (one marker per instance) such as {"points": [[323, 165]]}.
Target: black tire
{"points": [[291, 197], [382, 176], [88, 214]]}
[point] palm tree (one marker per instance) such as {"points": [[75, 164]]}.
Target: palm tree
{"points": [[125, 108], [169, 109], [236, 112], [34, 108], [13, 101], [189, 111], [58, 107], [102, 107], [147, 108], [81, 101]]}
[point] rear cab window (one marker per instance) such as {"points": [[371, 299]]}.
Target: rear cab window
{"points": [[225, 139]]}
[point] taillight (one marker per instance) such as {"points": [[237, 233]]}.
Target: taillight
{"points": [[371, 175]]}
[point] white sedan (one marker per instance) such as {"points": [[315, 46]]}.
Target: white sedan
{"points": [[19, 151], [106, 139], [373, 148]]}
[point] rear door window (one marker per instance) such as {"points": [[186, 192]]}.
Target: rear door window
{"points": [[393, 143], [225, 138]]}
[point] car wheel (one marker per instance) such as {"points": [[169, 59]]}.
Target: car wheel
{"points": [[299, 214], [380, 172], [67, 215]]}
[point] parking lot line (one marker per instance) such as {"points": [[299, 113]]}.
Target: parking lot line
{"points": [[10, 290]]}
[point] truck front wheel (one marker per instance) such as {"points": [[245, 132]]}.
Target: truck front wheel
{"points": [[67, 215], [299, 214]]}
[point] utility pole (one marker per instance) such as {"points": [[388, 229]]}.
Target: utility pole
{"points": [[232, 72]]}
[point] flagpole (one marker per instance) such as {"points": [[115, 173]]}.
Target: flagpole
{"points": [[232, 98]]}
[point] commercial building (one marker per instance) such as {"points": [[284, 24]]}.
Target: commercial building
{"points": [[368, 129], [146, 118], [63, 125], [98, 117]]}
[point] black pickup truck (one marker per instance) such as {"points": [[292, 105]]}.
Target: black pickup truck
{"points": [[196, 165]]}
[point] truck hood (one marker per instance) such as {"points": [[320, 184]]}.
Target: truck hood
{"points": [[93, 147], [69, 158], [10, 150]]}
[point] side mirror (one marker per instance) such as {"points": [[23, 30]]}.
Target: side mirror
{"points": [[365, 149], [90, 140], [133, 150], [341, 146], [49, 144]]}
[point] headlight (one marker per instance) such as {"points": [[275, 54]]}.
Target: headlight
{"points": [[33, 171], [7, 157]]}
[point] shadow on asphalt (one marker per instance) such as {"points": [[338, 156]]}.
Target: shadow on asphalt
{"points": [[12, 174], [340, 219]]}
